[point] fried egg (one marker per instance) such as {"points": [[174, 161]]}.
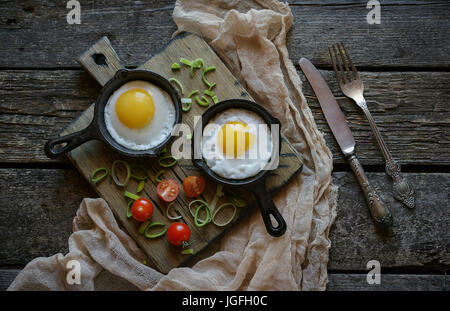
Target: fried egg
{"points": [[236, 144], [139, 115]]}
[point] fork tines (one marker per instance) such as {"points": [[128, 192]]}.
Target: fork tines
{"points": [[340, 58]]}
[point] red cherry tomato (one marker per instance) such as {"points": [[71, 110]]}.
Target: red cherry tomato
{"points": [[167, 190], [193, 186], [142, 209], [178, 233]]}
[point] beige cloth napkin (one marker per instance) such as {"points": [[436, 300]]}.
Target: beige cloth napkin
{"points": [[250, 38]]}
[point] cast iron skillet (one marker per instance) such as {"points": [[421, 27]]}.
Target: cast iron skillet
{"points": [[255, 184], [97, 128]]}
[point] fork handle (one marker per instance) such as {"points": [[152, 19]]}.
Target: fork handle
{"points": [[380, 213], [403, 190]]}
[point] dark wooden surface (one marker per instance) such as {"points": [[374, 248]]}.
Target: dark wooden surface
{"points": [[406, 69]]}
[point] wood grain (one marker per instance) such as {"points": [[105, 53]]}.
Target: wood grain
{"points": [[41, 216], [419, 237], [94, 154], [389, 282], [336, 282], [410, 108], [40, 223], [411, 33]]}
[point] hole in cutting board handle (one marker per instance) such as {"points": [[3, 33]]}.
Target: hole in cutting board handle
{"points": [[99, 59]]}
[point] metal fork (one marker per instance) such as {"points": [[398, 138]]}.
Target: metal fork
{"points": [[353, 87]]}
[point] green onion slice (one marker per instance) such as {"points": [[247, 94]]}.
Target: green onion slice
{"points": [[200, 202], [209, 93], [206, 70], [143, 227], [158, 175], [218, 210], [187, 251], [201, 222], [140, 167], [99, 178], [187, 101], [239, 202], [155, 224], [114, 176], [219, 193], [176, 66], [202, 102], [140, 186], [215, 99], [186, 62], [208, 84], [168, 212], [131, 195], [193, 93], [178, 83], [189, 136], [164, 163], [129, 209], [199, 63]]}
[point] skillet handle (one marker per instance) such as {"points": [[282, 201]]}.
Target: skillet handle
{"points": [[72, 141], [268, 208]]}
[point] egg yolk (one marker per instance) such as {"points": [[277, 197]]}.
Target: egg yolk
{"points": [[135, 108], [234, 139]]}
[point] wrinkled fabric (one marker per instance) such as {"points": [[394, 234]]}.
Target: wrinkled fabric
{"points": [[250, 37]]}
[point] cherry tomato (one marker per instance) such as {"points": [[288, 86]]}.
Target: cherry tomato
{"points": [[142, 209], [167, 190], [193, 186], [178, 233]]}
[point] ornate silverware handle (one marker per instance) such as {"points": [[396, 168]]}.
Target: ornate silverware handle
{"points": [[379, 212], [403, 190]]}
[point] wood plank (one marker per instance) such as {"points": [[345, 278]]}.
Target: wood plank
{"points": [[410, 108], [337, 282], [7, 276], [389, 282], [40, 223], [410, 33], [35, 34], [92, 155], [421, 239]]}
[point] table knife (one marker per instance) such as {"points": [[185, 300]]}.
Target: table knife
{"points": [[338, 124]]}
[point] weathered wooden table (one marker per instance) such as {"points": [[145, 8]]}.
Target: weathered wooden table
{"points": [[405, 65]]}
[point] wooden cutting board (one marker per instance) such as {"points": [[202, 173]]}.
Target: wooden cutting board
{"points": [[102, 62]]}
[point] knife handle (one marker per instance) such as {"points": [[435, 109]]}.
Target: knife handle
{"points": [[380, 213]]}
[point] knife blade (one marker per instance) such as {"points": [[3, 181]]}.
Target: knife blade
{"points": [[333, 114], [338, 124]]}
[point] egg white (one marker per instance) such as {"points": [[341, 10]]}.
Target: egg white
{"points": [[247, 165], [153, 133]]}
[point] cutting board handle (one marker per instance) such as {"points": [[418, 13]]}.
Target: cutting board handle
{"points": [[101, 61]]}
